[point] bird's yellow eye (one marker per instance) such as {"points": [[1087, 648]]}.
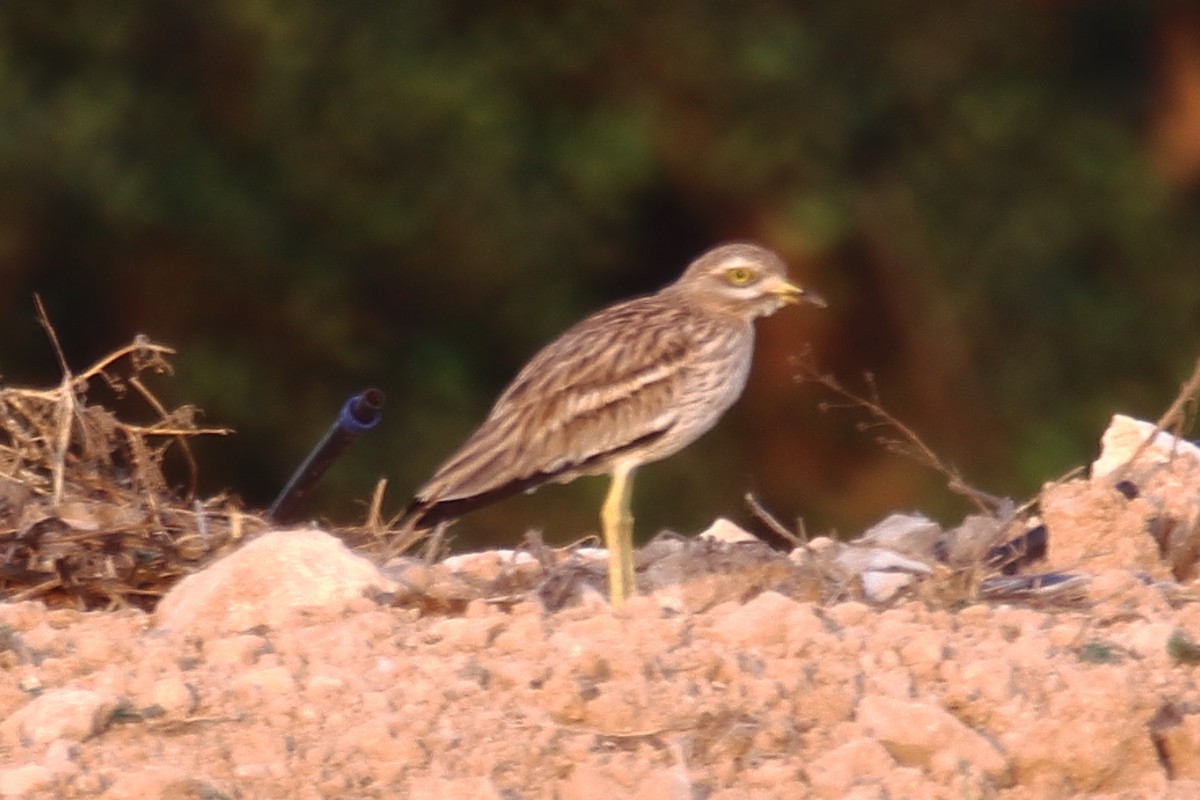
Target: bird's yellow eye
{"points": [[739, 276]]}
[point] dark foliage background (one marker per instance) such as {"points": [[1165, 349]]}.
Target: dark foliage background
{"points": [[998, 198]]}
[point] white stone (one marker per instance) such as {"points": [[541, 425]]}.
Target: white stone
{"points": [[925, 735], [857, 560], [913, 534], [24, 780], [470, 562], [267, 581], [722, 530], [883, 586], [72, 714], [1126, 435]]}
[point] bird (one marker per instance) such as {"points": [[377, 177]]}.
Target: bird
{"points": [[631, 384]]}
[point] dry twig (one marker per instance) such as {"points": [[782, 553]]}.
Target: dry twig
{"points": [[87, 515], [1179, 416], [767, 518], [898, 438]]}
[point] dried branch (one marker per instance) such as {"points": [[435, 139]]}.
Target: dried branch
{"points": [[1179, 416], [767, 518], [87, 516], [896, 437], [66, 407]]}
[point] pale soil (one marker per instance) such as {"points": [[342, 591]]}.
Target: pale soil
{"points": [[734, 675]]}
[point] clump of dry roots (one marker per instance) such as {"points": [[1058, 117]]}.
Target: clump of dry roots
{"points": [[87, 516]]}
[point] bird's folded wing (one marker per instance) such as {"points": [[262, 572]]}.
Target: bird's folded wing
{"points": [[605, 388]]}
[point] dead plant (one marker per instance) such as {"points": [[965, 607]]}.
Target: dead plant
{"points": [[87, 516]]}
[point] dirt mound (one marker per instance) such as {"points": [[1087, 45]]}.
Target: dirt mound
{"points": [[1011, 657], [281, 686]]}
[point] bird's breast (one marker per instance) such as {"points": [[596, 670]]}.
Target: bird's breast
{"points": [[708, 385]]}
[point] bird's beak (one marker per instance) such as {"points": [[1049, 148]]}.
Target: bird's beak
{"points": [[789, 292]]}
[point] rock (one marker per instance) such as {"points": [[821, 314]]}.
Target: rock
{"points": [[855, 560], [266, 582], [925, 735], [1092, 527], [490, 564], [589, 781], [239, 650], [887, 558], [265, 681], [439, 788], [1102, 744], [373, 739], [1178, 734], [61, 756], [737, 699], [722, 530], [173, 696], [692, 575], [912, 534], [766, 621], [862, 559], [1123, 439], [73, 714], [412, 575], [882, 572], [525, 630], [23, 781], [969, 543], [461, 634], [850, 614], [154, 782], [883, 586], [857, 761]]}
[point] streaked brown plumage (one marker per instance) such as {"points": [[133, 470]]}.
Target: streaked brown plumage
{"points": [[633, 383]]}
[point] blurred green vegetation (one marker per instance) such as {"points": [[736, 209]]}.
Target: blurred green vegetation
{"points": [[309, 198]]}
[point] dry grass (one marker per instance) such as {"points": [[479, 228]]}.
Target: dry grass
{"points": [[964, 582], [87, 517]]}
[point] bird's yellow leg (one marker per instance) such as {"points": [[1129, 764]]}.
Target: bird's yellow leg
{"points": [[616, 519]]}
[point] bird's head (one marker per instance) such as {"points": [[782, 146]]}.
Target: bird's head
{"points": [[745, 279]]}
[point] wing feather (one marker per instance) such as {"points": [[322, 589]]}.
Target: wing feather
{"points": [[607, 386]]}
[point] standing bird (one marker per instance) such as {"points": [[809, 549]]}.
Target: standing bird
{"points": [[633, 383]]}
